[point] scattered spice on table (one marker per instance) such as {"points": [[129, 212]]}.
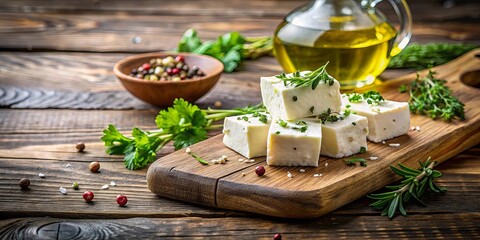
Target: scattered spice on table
{"points": [[80, 146], [88, 196], [94, 167], [260, 170], [24, 183], [122, 200]]}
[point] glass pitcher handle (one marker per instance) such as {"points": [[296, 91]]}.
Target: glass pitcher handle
{"points": [[405, 17]]}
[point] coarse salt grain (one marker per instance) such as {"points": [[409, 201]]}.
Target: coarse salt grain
{"points": [[383, 142], [224, 157], [241, 159], [317, 175], [68, 165], [326, 164], [394, 144], [289, 175], [302, 170], [221, 160], [412, 128], [417, 128], [105, 187], [41, 175], [373, 158], [113, 183], [62, 190], [243, 174], [188, 150], [215, 161]]}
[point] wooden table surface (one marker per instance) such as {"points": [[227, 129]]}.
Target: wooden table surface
{"points": [[57, 88]]}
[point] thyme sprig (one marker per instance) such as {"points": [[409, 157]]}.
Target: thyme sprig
{"points": [[330, 116], [371, 97], [429, 96], [413, 185], [309, 79]]}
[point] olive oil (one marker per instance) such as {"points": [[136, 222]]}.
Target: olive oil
{"points": [[356, 57]]}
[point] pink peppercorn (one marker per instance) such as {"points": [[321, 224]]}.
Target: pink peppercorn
{"points": [[146, 66], [122, 200], [260, 170], [88, 196]]}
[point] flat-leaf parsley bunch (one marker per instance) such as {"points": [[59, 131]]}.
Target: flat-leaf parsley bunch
{"points": [[183, 123]]}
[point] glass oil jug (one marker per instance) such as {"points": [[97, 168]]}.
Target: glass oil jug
{"points": [[354, 38]]}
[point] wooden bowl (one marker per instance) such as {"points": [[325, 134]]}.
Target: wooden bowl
{"points": [[162, 93]]}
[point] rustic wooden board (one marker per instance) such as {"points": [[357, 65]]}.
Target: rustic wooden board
{"points": [[178, 176]]}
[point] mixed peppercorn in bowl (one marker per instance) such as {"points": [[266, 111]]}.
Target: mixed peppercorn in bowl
{"points": [[159, 78]]}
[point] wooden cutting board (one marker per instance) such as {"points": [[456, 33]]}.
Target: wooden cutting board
{"points": [[235, 185]]}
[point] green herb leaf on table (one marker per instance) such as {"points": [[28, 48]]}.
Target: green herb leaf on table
{"points": [[412, 186], [231, 48], [199, 159], [429, 96], [353, 161], [311, 79], [419, 56], [184, 123]]}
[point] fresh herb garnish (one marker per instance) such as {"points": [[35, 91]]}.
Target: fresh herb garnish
{"points": [[371, 97], [312, 108], [363, 149], [294, 98], [277, 132], [424, 56], [354, 123], [414, 184], [199, 159], [311, 79], [282, 123], [429, 96], [353, 161], [184, 123], [329, 116], [231, 48]]}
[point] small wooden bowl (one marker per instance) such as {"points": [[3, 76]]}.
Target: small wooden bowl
{"points": [[162, 93]]}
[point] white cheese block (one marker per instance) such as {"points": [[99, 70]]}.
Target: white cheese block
{"points": [[294, 146], [246, 135], [289, 103], [344, 137], [386, 120]]}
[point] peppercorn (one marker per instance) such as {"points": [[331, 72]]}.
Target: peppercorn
{"points": [[260, 170], [75, 186], [217, 104], [24, 183], [122, 200], [80, 146], [146, 66], [94, 166], [88, 196], [277, 236]]}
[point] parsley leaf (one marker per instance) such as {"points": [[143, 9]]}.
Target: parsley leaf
{"points": [[184, 123], [311, 79]]}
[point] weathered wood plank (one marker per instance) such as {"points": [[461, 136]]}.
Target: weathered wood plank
{"points": [[86, 81], [115, 33], [439, 226]]}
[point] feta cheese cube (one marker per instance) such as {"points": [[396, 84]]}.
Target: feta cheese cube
{"points": [[247, 134], [344, 137], [289, 102], [295, 143], [386, 120]]}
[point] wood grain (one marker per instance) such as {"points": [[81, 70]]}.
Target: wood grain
{"points": [[87, 82], [439, 226], [106, 33], [306, 196]]}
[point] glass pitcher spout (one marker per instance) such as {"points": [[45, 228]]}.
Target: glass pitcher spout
{"points": [[356, 38]]}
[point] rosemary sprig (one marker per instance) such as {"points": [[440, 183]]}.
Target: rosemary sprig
{"points": [[310, 79], [413, 185], [199, 159], [429, 96]]}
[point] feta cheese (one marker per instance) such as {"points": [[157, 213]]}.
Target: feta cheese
{"points": [[386, 120], [246, 135], [295, 143], [289, 102], [343, 138]]}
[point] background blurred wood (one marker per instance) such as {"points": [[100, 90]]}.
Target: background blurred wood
{"points": [[59, 55]]}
